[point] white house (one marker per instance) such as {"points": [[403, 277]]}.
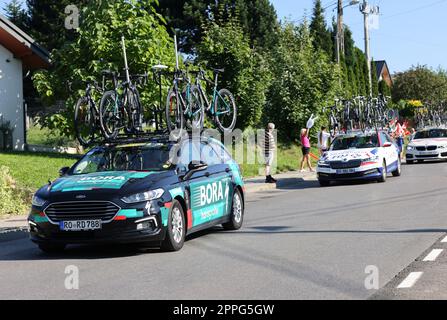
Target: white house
{"points": [[18, 54]]}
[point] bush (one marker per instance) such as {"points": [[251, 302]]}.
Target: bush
{"points": [[14, 198]]}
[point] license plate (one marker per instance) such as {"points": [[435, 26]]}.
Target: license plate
{"points": [[80, 225], [345, 171], [429, 153]]}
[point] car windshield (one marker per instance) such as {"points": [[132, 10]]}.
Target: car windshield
{"points": [[148, 157], [355, 142], [429, 134]]}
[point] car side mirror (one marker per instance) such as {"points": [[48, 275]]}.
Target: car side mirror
{"points": [[63, 171], [193, 167], [387, 145]]}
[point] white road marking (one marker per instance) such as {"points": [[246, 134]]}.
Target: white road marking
{"points": [[410, 280], [444, 240], [433, 255]]}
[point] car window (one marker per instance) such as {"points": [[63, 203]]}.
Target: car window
{"points": [[189, 152], [208, 155], [355, 142], [384, 138], [150, 157], [221, 152], [428, 134]]}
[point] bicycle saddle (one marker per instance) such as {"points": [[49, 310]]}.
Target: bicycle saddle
{"points": [[222, 70]]}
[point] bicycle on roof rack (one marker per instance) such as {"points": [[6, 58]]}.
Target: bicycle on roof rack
{"points": [[120, 109], [186, 108], [86, 113]]}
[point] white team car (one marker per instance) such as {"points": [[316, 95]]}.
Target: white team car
{"points": [[360, 156], [427, 144]]}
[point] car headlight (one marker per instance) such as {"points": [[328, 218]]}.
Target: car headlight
{"points": [[442, 147], [410, 148], [144, 196], [38, 202], [323, 163]]}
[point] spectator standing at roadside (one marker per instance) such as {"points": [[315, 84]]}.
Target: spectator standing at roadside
{"points": [[305, 142], [323, 140], [399, 136], [269, 152]]}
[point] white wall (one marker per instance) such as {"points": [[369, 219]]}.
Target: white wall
{"points": [[11, 95]]}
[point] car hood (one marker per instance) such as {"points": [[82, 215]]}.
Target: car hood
{"points": [[428, 142], [350, 154], [117, 181]]}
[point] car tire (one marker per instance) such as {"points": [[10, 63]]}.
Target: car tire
{"points": [[410, 162], [176, 232], [384, 173], [237, 212], [420, 161], [51, 248], [398, 171], [324, 183]]}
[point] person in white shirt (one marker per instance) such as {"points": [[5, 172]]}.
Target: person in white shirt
{"points": [[323, 140]]}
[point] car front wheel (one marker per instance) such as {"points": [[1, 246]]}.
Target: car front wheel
{"points": [[237, 212], [384, 173], [175, 235], [398, 171]]}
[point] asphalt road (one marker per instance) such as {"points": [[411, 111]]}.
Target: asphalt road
{"points": [[299, 242]]}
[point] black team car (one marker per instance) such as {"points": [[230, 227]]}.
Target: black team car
{"points": [[153, 192]]}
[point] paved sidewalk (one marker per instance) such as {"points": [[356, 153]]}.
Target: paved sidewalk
{"points": [[285, 180]]}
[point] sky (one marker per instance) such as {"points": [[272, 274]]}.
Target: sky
{"points": [[410, 32]]}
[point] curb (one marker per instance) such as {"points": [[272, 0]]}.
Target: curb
{"points": [[12, 234], [254, 185]]}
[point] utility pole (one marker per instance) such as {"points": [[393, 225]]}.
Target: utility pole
{"points": [[340, 33], [366, 10]]}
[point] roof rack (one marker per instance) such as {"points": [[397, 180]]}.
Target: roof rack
{"points": [[137, 138]]}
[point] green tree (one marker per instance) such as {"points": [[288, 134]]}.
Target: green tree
{"points": [[246, 74], [322, 38], [15, 12], [98, 47], [257, 18], [420, 83], [304, 81], [47, 21]]}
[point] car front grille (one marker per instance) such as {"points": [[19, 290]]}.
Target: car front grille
{"points": [[428, 148], [427, 156], [84, 210], [346, 165]]}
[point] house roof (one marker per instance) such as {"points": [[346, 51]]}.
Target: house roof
{"points": [[379, 67], [23, 47]]}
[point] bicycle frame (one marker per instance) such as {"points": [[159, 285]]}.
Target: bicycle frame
{"points": [[210, 105]]}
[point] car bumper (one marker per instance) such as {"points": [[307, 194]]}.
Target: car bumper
{"points": [[435, 155], [147, 227], [369, 173]]}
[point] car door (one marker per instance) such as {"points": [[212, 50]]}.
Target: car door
{"points": [[211, 191], [391, 153]]}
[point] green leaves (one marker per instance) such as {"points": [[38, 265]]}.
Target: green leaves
{"points": [[99, 47]]}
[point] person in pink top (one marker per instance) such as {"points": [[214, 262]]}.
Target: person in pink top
{"points": [[305, 142]]}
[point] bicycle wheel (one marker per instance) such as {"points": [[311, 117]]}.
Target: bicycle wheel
{"points": [[110, 117], [196, 119], [132, 106], [84, 122], [174, 115], [225, 111]]}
